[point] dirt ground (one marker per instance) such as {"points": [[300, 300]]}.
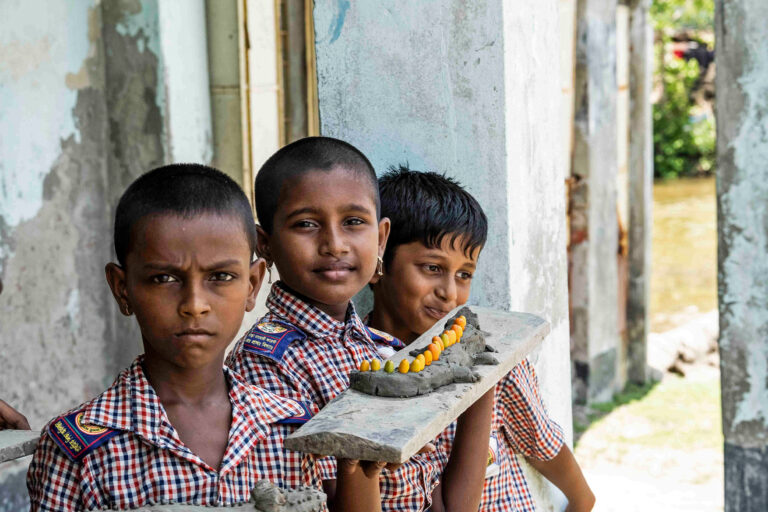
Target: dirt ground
{"points": [[660, 451]]}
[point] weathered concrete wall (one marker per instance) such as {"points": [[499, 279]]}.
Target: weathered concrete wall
{"points": [[594, 242], [471, 89], [640, 187], [742, 198], [88, 114]]}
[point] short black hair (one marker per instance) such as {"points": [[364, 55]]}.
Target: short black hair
{"points": [[186, 190], [300, 157], [426, 207]]}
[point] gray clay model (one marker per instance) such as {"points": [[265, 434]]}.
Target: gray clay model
{"points": [[455, 365], [265, 497]]}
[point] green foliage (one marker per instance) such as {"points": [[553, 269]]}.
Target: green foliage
{"points": [[689, 14], [682, 144]]}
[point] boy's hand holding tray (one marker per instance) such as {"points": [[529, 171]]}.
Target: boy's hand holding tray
{"points": [[362, 426]]}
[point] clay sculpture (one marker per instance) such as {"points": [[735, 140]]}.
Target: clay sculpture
{"points": [[435, 365], [265, 497]]}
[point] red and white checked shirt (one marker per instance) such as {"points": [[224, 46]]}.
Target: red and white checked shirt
{"points": [[146, 462], [316, 370], [521, 426]]}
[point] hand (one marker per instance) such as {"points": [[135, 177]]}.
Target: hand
{"points": [[371, 469], [10, 418], [427, 448]]}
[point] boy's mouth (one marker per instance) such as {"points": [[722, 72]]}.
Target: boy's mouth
{"points": [[437, 314], [193, 335], [337, 271]]}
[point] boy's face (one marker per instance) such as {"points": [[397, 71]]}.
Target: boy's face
{"points": [[326, 237], [422, 285], [189, 282]]}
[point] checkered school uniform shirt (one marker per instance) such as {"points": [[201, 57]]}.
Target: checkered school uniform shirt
{"points": [[520, 425], [316, 370], [146, 463]]}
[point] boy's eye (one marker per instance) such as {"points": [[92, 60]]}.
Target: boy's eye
{"points": [[465, 275], [164, 278], [305, 224], [432, 268], [222, 276], [355, 221]]}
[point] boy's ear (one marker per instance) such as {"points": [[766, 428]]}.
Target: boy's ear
{"points": [[256, 277], [384, 227], [116, 280], [262, 245]]}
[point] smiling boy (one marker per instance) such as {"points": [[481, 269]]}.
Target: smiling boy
{"points": [[438, 231], [176, 426]]}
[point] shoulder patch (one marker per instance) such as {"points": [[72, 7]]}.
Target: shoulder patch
{"points": [[271, 339], [382, 337], [304, 417], [76, 438]]}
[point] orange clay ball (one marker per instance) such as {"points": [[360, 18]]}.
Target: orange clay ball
{"points": [[458, 329], [462, 321], [437, 341], [404, 366], [365, 366], [435, 351], [427, 357]]}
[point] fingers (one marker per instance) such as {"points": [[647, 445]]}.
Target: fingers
{"points": [[347, 466], [372, 468], [11, 418], [427, 448]]}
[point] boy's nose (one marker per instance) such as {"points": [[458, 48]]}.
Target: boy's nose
{"points": [[447, 291], [193, 302], [334, 242]]}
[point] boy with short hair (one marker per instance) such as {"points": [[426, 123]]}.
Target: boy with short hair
{"points": [[176, 426], [438, 230], [318, 206]]}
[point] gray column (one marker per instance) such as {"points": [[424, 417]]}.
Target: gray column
{"points": [[594, 224], [640, 186], [742, 200], [470, 89]]}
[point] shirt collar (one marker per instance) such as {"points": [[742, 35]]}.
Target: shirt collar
{"points": [[285, 304], [132, 405]]}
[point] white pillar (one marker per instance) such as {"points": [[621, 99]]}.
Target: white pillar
{"points": [[640, 186], [742, 201], [594, 226], [472, 90]]}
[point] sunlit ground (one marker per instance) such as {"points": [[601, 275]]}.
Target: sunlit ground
{"points": [[659, 447]]}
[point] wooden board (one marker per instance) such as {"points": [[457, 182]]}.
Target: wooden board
{"points": [[15, 444], [359, 426]]}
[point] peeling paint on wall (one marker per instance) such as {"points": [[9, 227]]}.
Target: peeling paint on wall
{"points": [[33, 60]]}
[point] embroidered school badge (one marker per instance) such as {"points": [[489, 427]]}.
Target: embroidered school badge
{"points": [[77, 439], [383, 337], [271, 339]]}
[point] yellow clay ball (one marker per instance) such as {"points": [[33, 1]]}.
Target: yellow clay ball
{"points": [[365, 366], [452, 335], [446, 340], [404, 366], [375, 365], [428, 357], [415, 365]]}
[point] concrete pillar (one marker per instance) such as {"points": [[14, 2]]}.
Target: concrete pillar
{"points": [[470, 89], [742, 200], [90, 112], [594, 242], [640, 186]]}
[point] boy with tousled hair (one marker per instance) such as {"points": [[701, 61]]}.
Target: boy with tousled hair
{"points": [[320, 224], [438, 231], [177, 426]]}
